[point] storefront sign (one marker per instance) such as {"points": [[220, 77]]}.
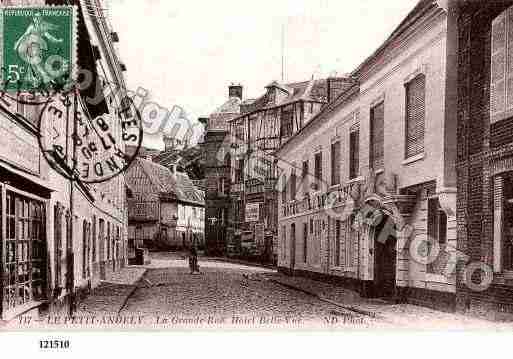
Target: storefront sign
{"points": [[252, 212], [18, 146]]}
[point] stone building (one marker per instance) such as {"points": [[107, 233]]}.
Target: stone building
{"points": [[485, 159], [217, 171], [373, 174], [262, 127], [59, 237]]}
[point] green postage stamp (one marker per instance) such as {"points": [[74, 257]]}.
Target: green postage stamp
{"points": [[38, 47]]}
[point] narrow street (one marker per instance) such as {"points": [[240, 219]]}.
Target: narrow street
{"points": [[226, 294]]}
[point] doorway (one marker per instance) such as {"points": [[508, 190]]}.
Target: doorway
{"points": [[384, 261]]}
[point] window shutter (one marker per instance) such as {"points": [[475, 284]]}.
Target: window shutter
{"points": [[377, 136], [498, 68], [354, 154], [335, 163], [415, 116]]}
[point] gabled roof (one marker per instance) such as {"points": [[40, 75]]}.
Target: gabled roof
{"points": [[312, 90], [187, 191], [160, 177]]}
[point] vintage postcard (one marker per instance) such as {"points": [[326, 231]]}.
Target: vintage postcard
{"points": [[256, 166]]}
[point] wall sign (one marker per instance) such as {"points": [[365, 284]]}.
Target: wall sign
{"points": [[252, 212]]}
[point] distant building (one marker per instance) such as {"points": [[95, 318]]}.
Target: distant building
{"points": [[262, 126], [217, 170], [166, 210]]}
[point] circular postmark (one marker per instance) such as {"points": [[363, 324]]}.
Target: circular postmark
{"points": [[87, 149]]}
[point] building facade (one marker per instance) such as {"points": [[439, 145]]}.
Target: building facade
{"points": [[262, 127], [485, 158], [59, 238], [369, 185], [217, 171], [166, 210]]}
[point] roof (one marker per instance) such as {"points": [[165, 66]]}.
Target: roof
{"points": [[161, 177], [230, 106], [187, 191], [148, 177], [418, 11], [311, 91], [326, 110]]}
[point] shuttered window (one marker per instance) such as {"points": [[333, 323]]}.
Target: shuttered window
{"points": [[293, 185], [335, 163], [318, 167], [284, 190], [501, 88], [415, 115], [304, 177], [377, 136], [354, 153]]}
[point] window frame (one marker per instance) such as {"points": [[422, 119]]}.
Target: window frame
{"points": [[336, 162], [372, 139], [408, 118]]}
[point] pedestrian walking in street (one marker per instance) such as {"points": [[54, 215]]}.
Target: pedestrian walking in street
{"points": [[193, 260]]}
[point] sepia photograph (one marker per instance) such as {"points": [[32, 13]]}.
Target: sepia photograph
{"points": [[255, 166]]}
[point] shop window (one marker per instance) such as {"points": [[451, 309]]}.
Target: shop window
{"points": [[24, 261], [377, 136], [507, 228], [415, 116], [437, 232]]}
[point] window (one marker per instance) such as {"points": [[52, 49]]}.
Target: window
{"points": [[437, 232], [305, 242], [503, 222], [354, 153], [94, 236], [351, 237], [337, 243], [318, 167], [415, 116], [293, 185], [284, 190], [304, 177], [377, 137], [501, 84], [25, 251], [287, 117], [335, 163], [108, 241], [85, 250], [58, 249], [239, 171], [283, 242]]}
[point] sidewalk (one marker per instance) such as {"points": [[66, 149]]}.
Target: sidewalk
{"points": [[403, 316], [112, 294]]}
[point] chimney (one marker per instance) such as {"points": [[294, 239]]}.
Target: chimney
{"points": [[235, 91]]}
